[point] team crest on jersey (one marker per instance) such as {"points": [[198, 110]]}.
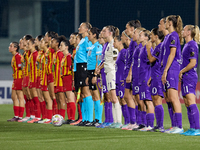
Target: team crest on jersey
{"points": [[192, 54], [46, 61], [157, 54], [54, 60], [114, 52], [173, 42]]}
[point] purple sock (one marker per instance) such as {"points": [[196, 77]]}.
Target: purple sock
{"points": [[159, 112], [136, 111], [106, 111], [144, 120], [139, 117], [132, 115], [189, 118], [170, 109], [150, 119], [194, 115], [178, 117], [110, 115], [126, 114]]}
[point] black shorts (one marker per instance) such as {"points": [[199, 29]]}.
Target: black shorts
{"points": [[90, 76], [80, 75]]}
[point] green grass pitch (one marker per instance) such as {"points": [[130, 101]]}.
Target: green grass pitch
{"points": [[24, 136]]}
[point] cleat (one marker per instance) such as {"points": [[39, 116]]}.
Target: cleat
{"points": [[76, 122], [101, 125], [38, 121], [106, 125], [24, 119], [187, 132], [34, 120], [146, 128], [168, 130], [139, 127], [89, 124], [125, 127], [42, 121], [48, 121], [176, 130], [132, 126], [192, 132], [67, 121], [14, 119], [112, 125], [135, 127], [28, 119], [118, 125]]}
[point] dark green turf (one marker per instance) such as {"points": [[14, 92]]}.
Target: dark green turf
{"points": [[14, 135]]}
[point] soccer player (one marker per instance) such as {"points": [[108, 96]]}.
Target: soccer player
{"points": [[120, 63], [188, 76], [66, 73], [49, 58], [93, 60], [32, 71], [81, 74], [58, 83], [171, 64], [109, 65], [17, 94], [155, 79]]}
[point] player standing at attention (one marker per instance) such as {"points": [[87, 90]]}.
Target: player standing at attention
{"points": [[189, 77], [32, 71], [17, 94], [66, 74], [171, 64], [109, 65], [120, 63], [49, 58], [93, 57], [155, 82], [81, 74]]}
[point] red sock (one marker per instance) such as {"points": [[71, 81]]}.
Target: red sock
{"points": [[16, 111], [31, 106], [37, 107], [44, 108], [62, 113], [59, 111], [68, 112], [79, 111], [55, 107], [21, 112], [72, 110], [27, 107], [49, 114]]}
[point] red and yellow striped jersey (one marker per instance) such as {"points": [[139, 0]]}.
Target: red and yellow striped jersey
{"points": [[66, 64], [49, 60], [32, 66], [16, 65], [57, 68], [39, 65], [24, 61], [43, 74]]}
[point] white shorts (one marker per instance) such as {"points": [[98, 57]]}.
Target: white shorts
{"points": [[110, 80]]}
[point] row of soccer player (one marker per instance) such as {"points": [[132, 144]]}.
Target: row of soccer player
{"points": [[141, 61]]}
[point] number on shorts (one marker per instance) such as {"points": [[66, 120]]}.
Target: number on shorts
{"points": [[136, 89], [167, 84], [185, 88], [143, 95], [154, 90]]}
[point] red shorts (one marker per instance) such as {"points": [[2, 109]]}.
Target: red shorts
{"points": [[58, 89], [25, 81], [17, 84], [44, 88], [67, 83], [50, 78], [32, 85], [38, 85]]}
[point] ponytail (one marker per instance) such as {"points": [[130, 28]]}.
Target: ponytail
{"points": [[114, 30], [194, 32]]}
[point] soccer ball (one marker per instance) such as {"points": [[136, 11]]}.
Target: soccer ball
{"points": [[57, 120]]}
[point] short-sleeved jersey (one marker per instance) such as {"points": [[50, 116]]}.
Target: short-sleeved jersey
{"points": [[57, 68], [24, 61], [32, 66], [144, 68], [94, 51], [110, 54], [43, 68], [16, 66], [155, 66], [49, 60], [190, 51], [120, 63], [135, 61], [39, 65], [82, 49], [66, 65], [173, 41]]}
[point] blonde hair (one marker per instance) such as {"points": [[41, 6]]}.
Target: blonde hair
{"points": [[194, 32], [177, 24], [114, 30]]}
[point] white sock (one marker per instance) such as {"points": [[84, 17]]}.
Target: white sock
{"points": [[114, 113], [32, 116], [118, 112], [16, 117]]}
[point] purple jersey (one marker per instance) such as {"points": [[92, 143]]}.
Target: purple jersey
{"points": [[173, 41], [129, 56], [135, 62], [155, 66], [119, 67], [190, 51], [144, 68]]}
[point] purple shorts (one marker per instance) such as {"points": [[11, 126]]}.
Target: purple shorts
{"points": [[120, 90], [103, 77], [128, 85], [145, 93], [156, 87], [135, 87], [188, 86], [172, 80]]}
